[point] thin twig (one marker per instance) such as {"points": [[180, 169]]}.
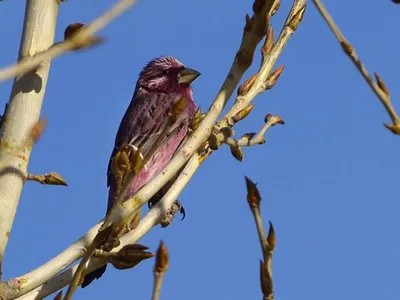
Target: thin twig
{"points": [[378, 87], [267, 242], [259, 138], [259, 83], [58, 49]]}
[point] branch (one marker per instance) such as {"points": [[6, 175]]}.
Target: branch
{"points": [[132, 163], [378, 87], [81, 38], [157, 213], [49, 178], [258, 138], [126, 258], [161, 266], [267, 242], [251, 139], [23, 111], [254, 31], [262, 78]]}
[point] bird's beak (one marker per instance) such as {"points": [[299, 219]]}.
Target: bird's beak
{"points": [[187, 76]]}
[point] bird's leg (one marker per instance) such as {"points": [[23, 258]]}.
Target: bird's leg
{"points": [[125, 226], [175, 208]]}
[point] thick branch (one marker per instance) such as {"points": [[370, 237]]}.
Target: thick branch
{"points": [[23, 110]]}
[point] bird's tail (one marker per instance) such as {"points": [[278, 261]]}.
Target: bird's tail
{"points": [[96, 274]]}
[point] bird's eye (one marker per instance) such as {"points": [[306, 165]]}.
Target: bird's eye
{"points": [[165, 72]]}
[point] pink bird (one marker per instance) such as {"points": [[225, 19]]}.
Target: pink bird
{"points": [[163, 82]]}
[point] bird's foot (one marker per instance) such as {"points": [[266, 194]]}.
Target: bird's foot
{"points": [[111, 243], [175, 208]]}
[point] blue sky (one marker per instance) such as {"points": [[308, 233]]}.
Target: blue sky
{"points": [[328, 177]]}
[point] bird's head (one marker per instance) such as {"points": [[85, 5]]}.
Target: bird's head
{"points": [[166, 74]]}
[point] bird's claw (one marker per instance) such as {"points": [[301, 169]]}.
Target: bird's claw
{"points": [[176, 207], [183, 212], [111, 243]]}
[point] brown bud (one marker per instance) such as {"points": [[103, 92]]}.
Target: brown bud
{"points": [[162, 259], [253, 195], [54, 179], [243, 113], [72, 29], [246, 86], [381, 84], [271, 237], [347, 48], [88, 41], [297, 18], [237, 152], [213, 142], [249, 135], [129, 256], [227, 131], [273, 77], [267, 117], [269, 42]]}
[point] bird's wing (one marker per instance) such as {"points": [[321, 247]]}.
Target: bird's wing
{"points": [[143, 122]]}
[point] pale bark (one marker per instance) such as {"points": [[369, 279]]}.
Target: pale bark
{"points": [[37, 281], [24, 110]]}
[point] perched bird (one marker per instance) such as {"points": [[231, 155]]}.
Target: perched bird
{"points": [[162, 82]]}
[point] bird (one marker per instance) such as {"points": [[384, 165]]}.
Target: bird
{"points": [[160, 85]]}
